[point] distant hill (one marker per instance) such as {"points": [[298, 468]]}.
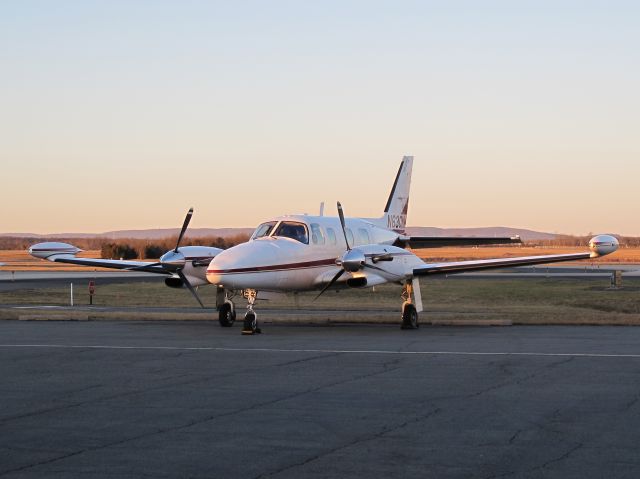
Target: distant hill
{"points": [[141, 234], [526, 235], [166, 232]]}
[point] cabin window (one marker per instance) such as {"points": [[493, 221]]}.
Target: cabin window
{"points": [[296, 231], [263, 230], [331, 234], [363, 236], [316, 234], [350, 237]]}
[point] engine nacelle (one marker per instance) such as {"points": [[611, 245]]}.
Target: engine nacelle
{"points": [[357, 282], [49, 249], [174, 282], [602, 245]]}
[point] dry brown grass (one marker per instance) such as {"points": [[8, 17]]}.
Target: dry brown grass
{"points": [[22, 261], [521, 301]]}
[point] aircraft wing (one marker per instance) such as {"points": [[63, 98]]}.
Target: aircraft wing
{"points": [[484, 264], [66, 253], [141, 266], [417, 242]]}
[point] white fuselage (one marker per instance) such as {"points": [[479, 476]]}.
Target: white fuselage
{"points": [[282, 260]]}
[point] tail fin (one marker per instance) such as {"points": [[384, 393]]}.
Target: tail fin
{"points": [[395, 213]]}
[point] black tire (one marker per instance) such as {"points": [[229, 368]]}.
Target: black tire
{"points": [[250, 323], [226, 315], [409, 317]]}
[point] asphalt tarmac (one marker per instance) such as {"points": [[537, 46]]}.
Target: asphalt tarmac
{"points": [[190, 399]]}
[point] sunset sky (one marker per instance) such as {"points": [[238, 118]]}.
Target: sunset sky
{"points": [[123, 114]]}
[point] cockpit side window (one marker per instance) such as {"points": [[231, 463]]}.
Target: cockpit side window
{"points": [[296, 231], [317, 237], [263, 230]]}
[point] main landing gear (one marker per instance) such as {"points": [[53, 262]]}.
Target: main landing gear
{"points": [[410, 308], [227, 314], [250, 318], [227, 310]]}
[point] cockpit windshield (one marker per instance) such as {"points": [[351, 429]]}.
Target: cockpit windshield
{"points": [[263, 230], [296, 231]]}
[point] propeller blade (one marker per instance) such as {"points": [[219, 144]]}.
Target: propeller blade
{"points": [[331, 283], [344, 227], [187, 219], [189, 287]]}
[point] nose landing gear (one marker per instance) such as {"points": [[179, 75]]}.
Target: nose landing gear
{"points": [[250, 318]]}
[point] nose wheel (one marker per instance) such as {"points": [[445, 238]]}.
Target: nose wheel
{"points": [[250, 318]]}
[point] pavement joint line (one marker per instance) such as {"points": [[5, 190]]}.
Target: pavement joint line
{"points": [[327, 351]]}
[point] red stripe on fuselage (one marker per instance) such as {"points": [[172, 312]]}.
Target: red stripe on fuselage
{"points": [[276, 267]]}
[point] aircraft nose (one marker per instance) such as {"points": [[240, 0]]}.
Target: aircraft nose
{"points": [[240, 259]]}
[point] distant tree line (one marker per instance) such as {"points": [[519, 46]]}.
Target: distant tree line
{"points": [[561, 240], [567, 240], [23, 243], [152, 249], [126, 248]]}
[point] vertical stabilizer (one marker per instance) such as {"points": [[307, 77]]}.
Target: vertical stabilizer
{"points": [[395, 213]]}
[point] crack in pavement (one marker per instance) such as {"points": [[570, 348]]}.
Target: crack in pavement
{"points": [[304, 360], [120, 395], [559, 458], [513, 438], [359, 440], [196, 422], [631, 403], [519, 380]]}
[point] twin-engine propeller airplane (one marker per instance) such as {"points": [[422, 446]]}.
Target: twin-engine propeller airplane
{"points": [[307, 253]]}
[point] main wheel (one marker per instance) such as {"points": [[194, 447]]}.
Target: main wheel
{"points": [[250, 323], [409, 317], [226, 315]]}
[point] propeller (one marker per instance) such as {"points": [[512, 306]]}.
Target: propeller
{"points": [[173, 261], [176, 260], [352, 260]]}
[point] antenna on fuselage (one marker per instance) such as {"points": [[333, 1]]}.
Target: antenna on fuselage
{"points": [[322, 209]]}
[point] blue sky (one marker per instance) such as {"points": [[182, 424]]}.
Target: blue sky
{"points": [[123, 114]]}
